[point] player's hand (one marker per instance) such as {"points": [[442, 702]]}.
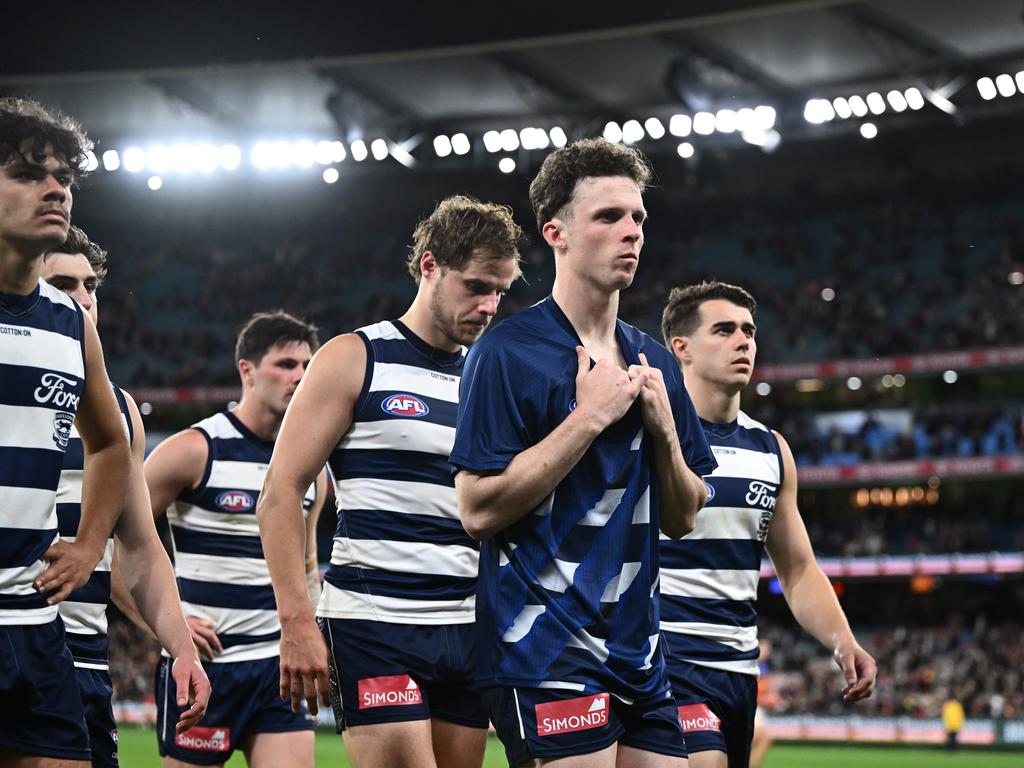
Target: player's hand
{"points": [[304, 666], [193, 687], [204, 637], [605, 392], [657, 411], [71, 563], [859, 669]]}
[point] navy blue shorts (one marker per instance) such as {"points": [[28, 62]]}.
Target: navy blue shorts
{"points": [[245, 701], [391, 673], [41, 710], [96, 690], [716, 709], [548, 723]]}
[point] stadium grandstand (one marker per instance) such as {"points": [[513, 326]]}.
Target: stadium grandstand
{"points": [[856, 165]]}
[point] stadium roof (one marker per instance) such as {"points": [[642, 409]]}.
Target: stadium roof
{"points": [[230, 72]]}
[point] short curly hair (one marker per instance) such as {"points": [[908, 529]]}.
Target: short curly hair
{"points": [[681, 317], [24, 120], [79, 242], [462, 226], [553, 186]]}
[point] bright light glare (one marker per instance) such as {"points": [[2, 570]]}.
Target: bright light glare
{"points": [[868, 130], [331, 175], [1006, 85], [158, 158], [230, 156], [492, 141], [765, 117], [509, 140], [842, 107], [632, 132], [612, 132], [680, 125], [506, 165], [876, 103], [379, 148], [558, 137], [134, 159], [654, 127], [859, 107], [461, 144], [154, 183], [442, 146], [685, 150], [358, 150], [303, 153], [914, 98], [725, 121], [986, 88], [853, 383], [111, 160], [704, 123], [896, 100]]}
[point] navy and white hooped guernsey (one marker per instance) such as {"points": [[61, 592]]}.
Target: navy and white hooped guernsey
{"points": [[709, 577], [85, 610], [42, 377], [400, 552], [218, 555]]}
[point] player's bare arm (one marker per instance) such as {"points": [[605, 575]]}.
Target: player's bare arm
{"points": [[807, 589], [319, 414], [491, 501], [103, 483], [682, 492], [312, 564], [145, 571], [175, 465]]}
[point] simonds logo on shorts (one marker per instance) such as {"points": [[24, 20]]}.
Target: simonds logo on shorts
{"points": [[404, 405], [572, 715], [697, 717], [201, 737], [388, 691]]}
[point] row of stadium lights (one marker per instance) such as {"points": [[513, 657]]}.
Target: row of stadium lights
{"points": [[756, 125], [854, 383], [819, 111], [1003, 85]]}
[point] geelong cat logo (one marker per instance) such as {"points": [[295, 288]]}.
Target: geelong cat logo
{"points": [[235, 501], [62, 428], [404, 405]]}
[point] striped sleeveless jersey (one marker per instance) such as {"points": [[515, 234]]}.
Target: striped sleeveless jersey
{"points": [[709, 577], [400, 552], [218, 556], [85, 611], [42, 377]]}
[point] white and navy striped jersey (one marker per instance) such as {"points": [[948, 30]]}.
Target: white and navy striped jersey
{"points": [[709, 577], [400, 552], [85, 610], [218, 556], [42, 377]]}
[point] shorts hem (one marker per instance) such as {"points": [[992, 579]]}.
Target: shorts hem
{"points": [[457, 720], [573, 751], [34, 750], [289, 728], [657, 749], [386, 720]]}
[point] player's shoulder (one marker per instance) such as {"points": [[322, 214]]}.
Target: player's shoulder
{"points": [[745, 421], [56, 297], [515, 336], [655, 351]]}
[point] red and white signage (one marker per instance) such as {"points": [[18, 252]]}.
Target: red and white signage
{"points": [[205, 738], [697, 717], [389, 691], [572, 715]]}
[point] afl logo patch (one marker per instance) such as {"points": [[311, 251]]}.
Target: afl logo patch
{"points": [[404, 405], [711, 492], [572, 405], [235, 501]]}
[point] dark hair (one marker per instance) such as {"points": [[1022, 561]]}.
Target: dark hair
{"points": [[267, 329], [461, 226], [79, 242], [24, 120], [553, 186], [681, 317]]}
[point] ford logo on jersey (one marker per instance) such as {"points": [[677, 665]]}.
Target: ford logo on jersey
{"points": [[404, 405], [235, 501]]}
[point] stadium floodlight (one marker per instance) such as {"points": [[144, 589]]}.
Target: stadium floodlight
{"points": [[1016, 278], [183, 158], [680, 125], [526, 139], [685, 150], [1019, 77], [868, 130], [746, 120], [704, 123], [766, 140], [725, 121], [914, 98], [854, 383], [842, 107], [158, 158], [654, 127], [818, 111], [632, 132], [91, 161], [358, 150], [763, 388], [875, 103], [328, 152], [506, 165], [896, 100], [207, 158], [765, 116], [401, 151], [461, 144], [899, 380], [154, 183], [492, 141], [858, 105], [986, 88], [950, 376], [331, 175], [828, 294], [558, 137], [230, 156], [111, 160], [509, 140], [612, 132], [379, 149], [1006, 86], [303, 153], [442, 146], [134, 159]]}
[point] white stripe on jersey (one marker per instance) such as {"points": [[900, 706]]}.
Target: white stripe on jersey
{"points": [[196, 518], [245, 571], [47, 347], [719, 584], [397, 496], [241, 475], [741, 666], [740, 638], [344, 604], [69, 489], [14, 502], [385, 329], [231, 621], [84, 618], [388, 433], [746, 464], [596, 645], [398, 377], [557, 575], [613, 589], [406, 557], [523, 624], [9, 585], [724, 523], [598, 514], [642, 510], [29, 427]]}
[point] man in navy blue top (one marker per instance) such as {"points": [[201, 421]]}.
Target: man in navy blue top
{"points": [[575, 443]]}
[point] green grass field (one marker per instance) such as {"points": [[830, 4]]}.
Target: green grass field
{"points": [[138, 750]]}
